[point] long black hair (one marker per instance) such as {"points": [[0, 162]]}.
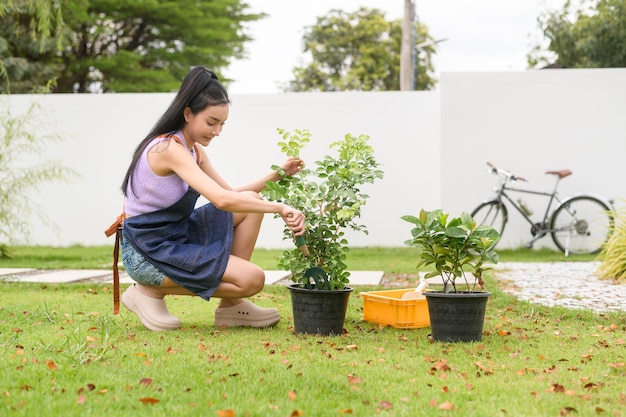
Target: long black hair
{"points": [[200, 89]]}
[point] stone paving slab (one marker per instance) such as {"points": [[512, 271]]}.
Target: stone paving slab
{"points": [[357, 278], [366, 277], [60, 276], [272, 277], [14, 271]]}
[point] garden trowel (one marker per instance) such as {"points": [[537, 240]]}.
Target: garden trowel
{"points": [[318, 274]]}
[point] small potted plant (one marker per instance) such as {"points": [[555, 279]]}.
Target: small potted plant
{"points": [[458, 248], [331, 198]]}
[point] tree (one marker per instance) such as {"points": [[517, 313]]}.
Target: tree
{"points": [[134, 46], [29, 28], [590, 36], [22, 140], [358, 51]]}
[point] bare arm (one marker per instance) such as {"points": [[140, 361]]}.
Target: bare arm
{"points": [[176, 159], [290, 166]]}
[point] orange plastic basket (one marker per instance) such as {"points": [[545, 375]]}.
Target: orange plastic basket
{"points": [[388, 308]]}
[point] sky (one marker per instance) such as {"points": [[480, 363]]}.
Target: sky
{"points": [[480, 35]]}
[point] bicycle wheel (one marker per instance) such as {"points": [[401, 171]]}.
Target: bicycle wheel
{"points": [[493, 213], [581, 225]]}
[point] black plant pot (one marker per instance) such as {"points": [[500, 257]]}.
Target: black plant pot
{"points": [[319, 311], [457, 317]]}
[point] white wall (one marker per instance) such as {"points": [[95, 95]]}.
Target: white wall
{"points": [[432, 145], [102, 131]]}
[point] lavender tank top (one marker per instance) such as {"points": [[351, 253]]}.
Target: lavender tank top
{"points": [[151, 192]]}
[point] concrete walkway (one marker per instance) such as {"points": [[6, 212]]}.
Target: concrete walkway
{"points": [[106, 276]]}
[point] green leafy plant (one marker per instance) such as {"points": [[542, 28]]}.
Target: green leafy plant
{"points": [[455, 246], [613, 254], [331, 198], [24, 167]]}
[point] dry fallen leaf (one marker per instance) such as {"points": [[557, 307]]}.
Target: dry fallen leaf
{"points": [[145, 381], [149, 400], [226, 413], [446, 406], [557, 388], [386, 405], [353, 379]]}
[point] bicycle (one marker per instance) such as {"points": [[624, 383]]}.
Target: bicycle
{"points": [[579, 224]]}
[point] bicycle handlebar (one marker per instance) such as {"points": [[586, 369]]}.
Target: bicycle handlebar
{"points": [[498, 171]]}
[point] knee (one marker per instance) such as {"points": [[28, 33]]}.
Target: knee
{"points": [[253, 284], [256, 282]]}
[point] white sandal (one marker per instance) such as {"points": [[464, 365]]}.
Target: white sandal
{"points": [[151, 311], [246, 314]]}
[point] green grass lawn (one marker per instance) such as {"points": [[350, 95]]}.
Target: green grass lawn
{"points": [[63, 353], [388, 259]]}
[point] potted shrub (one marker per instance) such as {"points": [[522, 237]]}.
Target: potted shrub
{"points": [[330, 196], [456, 247]]}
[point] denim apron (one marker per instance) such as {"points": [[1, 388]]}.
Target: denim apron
{"points": [[191, 246]]}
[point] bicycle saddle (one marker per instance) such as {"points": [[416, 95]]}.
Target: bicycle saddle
{"points": [[561, 173]]}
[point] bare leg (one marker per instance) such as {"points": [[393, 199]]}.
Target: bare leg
{"points": [[241, 278]]}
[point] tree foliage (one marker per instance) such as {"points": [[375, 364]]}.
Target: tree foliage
{"points": [[592, 35], [30, 36], [127, 46], [358, 51], [23, 141]]}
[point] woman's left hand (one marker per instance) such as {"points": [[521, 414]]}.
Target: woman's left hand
{"points": [[292, 166]]}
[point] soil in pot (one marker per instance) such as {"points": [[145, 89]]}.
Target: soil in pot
{"points": [[457, 317], [319, 311]]}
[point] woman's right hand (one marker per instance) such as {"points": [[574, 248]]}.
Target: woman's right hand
{"points": [[294, 219]]}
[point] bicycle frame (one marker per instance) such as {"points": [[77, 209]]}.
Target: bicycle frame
{"points": [[538, 229], [553, 199], [574, 217]]}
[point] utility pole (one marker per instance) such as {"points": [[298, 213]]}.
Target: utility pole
{"points": [[407, 48]]}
